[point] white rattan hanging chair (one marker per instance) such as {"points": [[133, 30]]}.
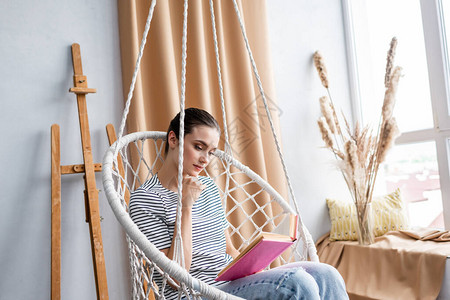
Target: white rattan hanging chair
{"points": [[237, 183]]}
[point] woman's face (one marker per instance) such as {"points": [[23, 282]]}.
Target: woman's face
{"points": [[199, 146]]}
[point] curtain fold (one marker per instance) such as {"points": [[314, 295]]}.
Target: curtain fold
{"points": [[157, 94]]}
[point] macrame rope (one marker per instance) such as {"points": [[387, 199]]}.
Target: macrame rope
{"points": [[261, 90], [219, 75], [136, 68], [269, 116], [227, 147], [179, 251]]}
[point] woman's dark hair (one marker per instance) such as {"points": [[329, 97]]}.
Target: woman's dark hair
{"points": [[192, 117]]}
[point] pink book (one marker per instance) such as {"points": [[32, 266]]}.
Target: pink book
{"points": [[257, 256]]}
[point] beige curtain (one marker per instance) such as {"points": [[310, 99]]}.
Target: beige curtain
{"points": [[157, 94]]}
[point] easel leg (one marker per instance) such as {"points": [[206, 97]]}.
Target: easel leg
{"points": [[56, 214], [81, 89]]}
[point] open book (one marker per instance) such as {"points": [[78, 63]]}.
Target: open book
{"points": [[264, 249]]}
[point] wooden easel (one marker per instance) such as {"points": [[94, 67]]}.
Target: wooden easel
{"points": [[90, 194]]}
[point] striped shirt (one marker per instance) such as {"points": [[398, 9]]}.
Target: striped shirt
{"points": [[153, 209]]}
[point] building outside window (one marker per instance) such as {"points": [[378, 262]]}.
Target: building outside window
{"points": [[419, 162]]}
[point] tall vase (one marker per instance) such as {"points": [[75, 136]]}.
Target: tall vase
{"points": [[365, 223]]}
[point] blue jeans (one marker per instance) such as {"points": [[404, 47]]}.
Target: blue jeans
{"points": [[299, 280]]}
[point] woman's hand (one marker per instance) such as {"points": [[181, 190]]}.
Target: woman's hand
{"points": [[233, 252], [192, 187]]}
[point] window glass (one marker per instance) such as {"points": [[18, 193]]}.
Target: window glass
{"points": [[413, 168], [375, 23]]}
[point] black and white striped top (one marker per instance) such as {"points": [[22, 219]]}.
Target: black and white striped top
{"points": [[153, 209]]}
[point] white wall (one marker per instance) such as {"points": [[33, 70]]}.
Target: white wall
{"points": [[297, 30], [35, 59], [36, 74]]}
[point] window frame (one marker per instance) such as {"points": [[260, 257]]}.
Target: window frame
{"points": [[437, 56]]}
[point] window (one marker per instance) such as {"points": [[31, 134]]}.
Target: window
{"points": [[419, 163]]}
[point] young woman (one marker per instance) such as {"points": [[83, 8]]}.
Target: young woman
{"points": [[204, 228]]}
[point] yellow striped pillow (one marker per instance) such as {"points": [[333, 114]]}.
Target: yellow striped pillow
{"points": [[388, 214]]}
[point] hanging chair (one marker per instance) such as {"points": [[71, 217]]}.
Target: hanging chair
{"points": [[238, 185]]}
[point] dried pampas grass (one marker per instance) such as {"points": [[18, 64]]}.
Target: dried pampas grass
{"points": [[358, 151], [326, 132], [351, 155], [390, 61], [388, 135], [321, 69], [389, 95], [327, 112]]}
